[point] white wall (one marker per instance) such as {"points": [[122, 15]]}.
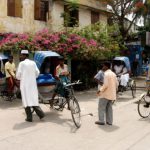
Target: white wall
{"points": [[57, 20], [84, 17], [19, 25]]}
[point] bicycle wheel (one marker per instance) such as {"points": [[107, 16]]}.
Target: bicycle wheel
{"points": [[133, 88], [75, 111], [143, 107]]}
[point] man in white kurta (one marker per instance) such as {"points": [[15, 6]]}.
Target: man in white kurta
{"points": [[27, 73]]}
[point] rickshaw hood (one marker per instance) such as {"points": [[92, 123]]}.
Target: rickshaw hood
{"points": [[125, 60], [41, 55]]}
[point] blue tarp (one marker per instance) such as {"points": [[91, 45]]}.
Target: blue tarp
{"points": [[125, 60], [45, 78], [41, 55]]}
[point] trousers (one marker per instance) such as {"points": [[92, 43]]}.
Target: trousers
{"points": [[38, 111], [105, 111]]}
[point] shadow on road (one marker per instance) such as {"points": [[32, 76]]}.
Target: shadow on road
{"points": [[53, 117], [58, 118], [108, 128], [145, 119], [24, 125], [86, 96], [7, 104]]}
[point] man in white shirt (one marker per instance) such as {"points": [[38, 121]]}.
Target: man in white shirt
{"points": [[27, 73], [122, 72]]}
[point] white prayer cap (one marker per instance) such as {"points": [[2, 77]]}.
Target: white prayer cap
{"points": [[24, 51]]}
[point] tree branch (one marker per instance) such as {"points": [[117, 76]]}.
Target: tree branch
{"points": [[131, 23]]}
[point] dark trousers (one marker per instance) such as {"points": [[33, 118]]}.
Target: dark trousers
{"points": [[135, 72], [38, 111], [10, 85]]}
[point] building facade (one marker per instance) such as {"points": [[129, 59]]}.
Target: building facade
{"points": [[33, 15]]}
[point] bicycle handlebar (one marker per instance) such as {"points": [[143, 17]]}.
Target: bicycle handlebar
{"points": [[74, 83]]}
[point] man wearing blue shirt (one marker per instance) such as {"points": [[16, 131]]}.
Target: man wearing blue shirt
{"points": [[99, 77]]}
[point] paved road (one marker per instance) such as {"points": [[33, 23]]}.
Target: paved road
{"points": [[57, 131]]}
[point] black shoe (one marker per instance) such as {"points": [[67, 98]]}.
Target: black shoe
{"points": [[28, 120], [109, 124], [99, 123], [42, 117]]}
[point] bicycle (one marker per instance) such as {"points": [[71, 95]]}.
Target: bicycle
{"points": [[144, 102], [131, 85], [61, 101]]}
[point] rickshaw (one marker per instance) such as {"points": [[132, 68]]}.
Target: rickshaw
{"points": [[131, 85], [3, 86], [3, 60], [46, 62]]}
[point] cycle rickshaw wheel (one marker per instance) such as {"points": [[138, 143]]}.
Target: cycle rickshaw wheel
{"points": [[133, 88], [75, 111], [143, 107]]}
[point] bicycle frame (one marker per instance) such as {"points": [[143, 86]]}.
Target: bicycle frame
{"points": [[65, 97]]}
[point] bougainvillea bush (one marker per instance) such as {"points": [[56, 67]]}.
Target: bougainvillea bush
{"points": [[107, 36], [13, 41], [67, 44]]}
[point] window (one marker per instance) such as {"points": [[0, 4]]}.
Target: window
{"points": [[41, 9], [14, 8], [71, 16], [94, 17]]}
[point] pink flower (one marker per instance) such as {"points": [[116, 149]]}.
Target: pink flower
{"points": [[46, 42], [92, 42], [70, 50], [83, 40]]}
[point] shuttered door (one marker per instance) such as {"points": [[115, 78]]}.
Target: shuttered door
{"points": [[94, 17], [11, 8], [18, 8], [37, 9]]}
